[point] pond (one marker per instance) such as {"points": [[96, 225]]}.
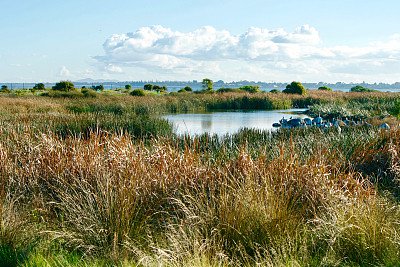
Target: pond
{"points": [[229, 122]]}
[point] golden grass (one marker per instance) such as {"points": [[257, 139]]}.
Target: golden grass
{"points": [[109, 196], [305, 198]]}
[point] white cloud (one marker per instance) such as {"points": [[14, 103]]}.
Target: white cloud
{"points": [[207, 51], [64, 72], [113, 68]]}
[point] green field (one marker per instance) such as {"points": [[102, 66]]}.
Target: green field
{"points": [[103, 181]]}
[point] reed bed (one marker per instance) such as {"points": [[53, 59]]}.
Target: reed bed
{"points": [[109, 199], [327, 104], [95, 182]]}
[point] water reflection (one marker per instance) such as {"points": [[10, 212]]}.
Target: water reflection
{"points": [[229, 122]]}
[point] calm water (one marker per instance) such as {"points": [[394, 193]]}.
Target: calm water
{"points": [[222, 123]]}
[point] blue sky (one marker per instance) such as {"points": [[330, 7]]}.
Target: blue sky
{"points": [[309, 41]]}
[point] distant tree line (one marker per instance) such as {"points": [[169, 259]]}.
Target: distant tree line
{"points": [[67, 87]]}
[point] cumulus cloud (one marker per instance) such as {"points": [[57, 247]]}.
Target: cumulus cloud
{"points": [[64, 72], [113, 68], [208, 50]]}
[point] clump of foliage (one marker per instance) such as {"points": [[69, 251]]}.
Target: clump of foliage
{"points": [[98, 87], [128, 86], [361, 89], [4, 89], [148, 87], [38, 87], [207, 86], [396, 109], [227, 90], [159, 89], [275, 91], [326, 88], [137, 92], [64, 86], [295, 88], [186, 89], [88, 92], [250, 88]]}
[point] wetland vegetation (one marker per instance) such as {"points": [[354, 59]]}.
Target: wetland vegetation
{"points": [[98, 179]]}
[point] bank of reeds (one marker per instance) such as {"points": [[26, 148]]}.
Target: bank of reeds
{"points": [[327, 104], [357, 106], [292, 198]]}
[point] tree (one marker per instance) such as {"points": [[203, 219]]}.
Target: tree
{"points": [[326, 88], [98, 87], [38, 87], [207, 85], [148, 87], [227, 90], [359, 88], [159, 89], [188, 89], [4, 89], [295, 88], [138, 92], [65, 86], [128, 86], [250, 88]]}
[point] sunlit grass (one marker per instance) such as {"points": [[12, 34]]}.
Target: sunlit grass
{"points": [[105, 186]]}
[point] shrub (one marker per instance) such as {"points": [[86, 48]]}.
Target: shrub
{"points": [[275, 91], [188, 89], [326, 88], [4, 89], [88, 92], [295, 88], [250, 88], [148, 87], [64, 86], [159, 89], [207, 84], [98, 87], [138, 92], [361, 89], [226, 90]]}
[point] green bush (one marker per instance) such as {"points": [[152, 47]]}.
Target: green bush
{"points": [[188, 89], [64, 86], [148, 87], [326, 88], [138, 92], [226, 90], [4, 89], [88, 92], [361, 89], [295, 88], [61, 94], [250, 88]]}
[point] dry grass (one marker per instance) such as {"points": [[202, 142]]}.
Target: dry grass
{"points": [[296, 198], [109, 196]]}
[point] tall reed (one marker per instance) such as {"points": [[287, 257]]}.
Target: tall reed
{"points": [[108, 196]]}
